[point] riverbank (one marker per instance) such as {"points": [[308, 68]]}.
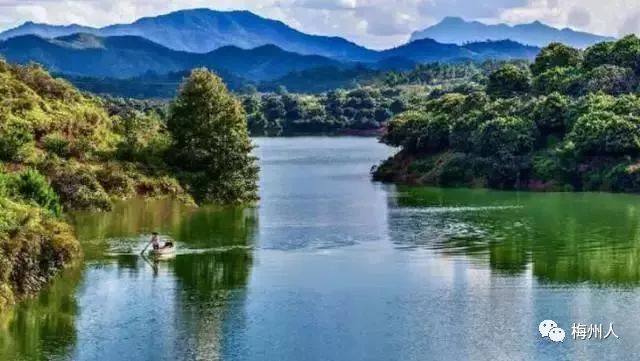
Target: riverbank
{"points": [[539, 173], [61, 151], [34, 246]]}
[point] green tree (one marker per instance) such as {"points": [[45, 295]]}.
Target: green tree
{"points": [[565, 80], [555, 55], [626, 53], [211, 142], [551, 113], [598, 54], [508, 81], [611, 79], [505, 136], [606, 133]]}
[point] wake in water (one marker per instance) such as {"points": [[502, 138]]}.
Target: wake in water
{"points": [[428, 210], [133, 246]]}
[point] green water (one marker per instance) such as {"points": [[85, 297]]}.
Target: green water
{"points": [[333, 267]]}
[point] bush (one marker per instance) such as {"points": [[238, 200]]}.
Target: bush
{"points": [[115, 181], [14, 135], [33, 186], [33, 247], [57, 144], [79, 189]]}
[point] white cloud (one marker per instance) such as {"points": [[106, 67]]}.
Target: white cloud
{"points": [[610, 17], [375, 23]]}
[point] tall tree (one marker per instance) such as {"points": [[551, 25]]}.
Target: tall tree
{"points": [[211, 143]]}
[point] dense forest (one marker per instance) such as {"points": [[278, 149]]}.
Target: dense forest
{"points": [[569, 121], [61, 150], [359, 101]]}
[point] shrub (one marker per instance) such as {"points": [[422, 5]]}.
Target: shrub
{"points": [[14, 135], [57, 144], [115, 181], [79, 189], [33, 186], [33, 247]]}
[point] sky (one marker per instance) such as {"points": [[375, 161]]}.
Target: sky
{"points": [[373, 23]]}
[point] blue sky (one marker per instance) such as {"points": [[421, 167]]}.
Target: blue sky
{"points": [[374, 23]]}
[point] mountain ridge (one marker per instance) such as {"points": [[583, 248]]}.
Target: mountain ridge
{"points": [[128, 56], [203, 30], [458, 31]]}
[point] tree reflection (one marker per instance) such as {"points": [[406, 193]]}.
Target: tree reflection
{"points": [[186, 296], [43, 327], [563, 237]]}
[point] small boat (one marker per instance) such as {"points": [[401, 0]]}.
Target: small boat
{"points": [[162, 253]]}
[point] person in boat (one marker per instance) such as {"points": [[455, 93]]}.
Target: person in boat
{"points": [[155, 241]]}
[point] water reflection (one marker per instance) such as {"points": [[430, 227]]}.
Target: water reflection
{"points": [[43, 327], [566, 238], [157, 310]]}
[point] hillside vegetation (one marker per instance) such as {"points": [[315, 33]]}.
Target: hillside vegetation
{"points": [[570, 121], [61, 150]]}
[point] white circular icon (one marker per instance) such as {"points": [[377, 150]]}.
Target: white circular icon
{"points": [[556, 334], [546, 326]]}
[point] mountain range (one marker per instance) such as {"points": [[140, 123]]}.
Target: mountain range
{"points": [[244, 47], [130, 56], [205, 30], [458, 31]]}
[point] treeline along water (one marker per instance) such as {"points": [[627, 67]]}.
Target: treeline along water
{"points": [[331, 266]]}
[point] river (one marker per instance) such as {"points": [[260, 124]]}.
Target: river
{"points": [[331, 266]]}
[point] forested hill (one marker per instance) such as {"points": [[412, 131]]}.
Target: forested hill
{"points": [[569, 121], [124, 57], [205, 30], [130, 56]]}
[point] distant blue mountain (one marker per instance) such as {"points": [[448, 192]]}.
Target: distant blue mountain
{"points": [[131, 56], [430, 51], [458, 31], [45, 30], [204, 30]]}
